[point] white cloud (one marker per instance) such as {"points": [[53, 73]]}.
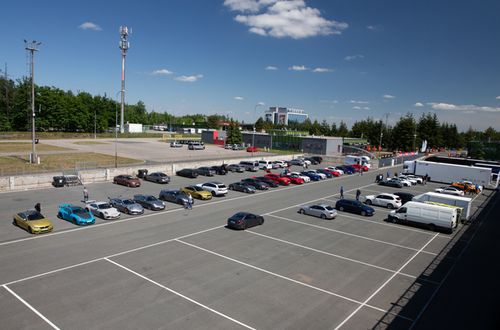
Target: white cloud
{"points": [[89, 26], [281, 19], [354, 57], [358, 102], [238, 98], [329, 101], [321, 70], [161, 72], [418, 105], [271, 68], [498, 97], [388, 97], [467, 108], [357, 107], [298, 68], [189, 78], [371, 27]]}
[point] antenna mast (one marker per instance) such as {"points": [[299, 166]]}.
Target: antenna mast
{"points": [[124, 46]]}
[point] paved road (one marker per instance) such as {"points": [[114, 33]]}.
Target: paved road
{"points": [[183, 269]]}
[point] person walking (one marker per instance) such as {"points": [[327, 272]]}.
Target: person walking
{"points": [[388, 174], [85, 194], [38, 207], [189, 203], [426, 177], [358, 193], [341, 192]]}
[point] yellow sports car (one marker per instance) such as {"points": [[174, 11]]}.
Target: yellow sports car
{"points": [[33, 221], [197, 192]]}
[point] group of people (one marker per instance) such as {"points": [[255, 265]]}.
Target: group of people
{"points": [[358, 193]]}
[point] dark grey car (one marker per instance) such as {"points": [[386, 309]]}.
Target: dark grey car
{"points": [[206, 171], [243, 187], [174, 196], [128, 206], [236, 168], [158, 177], [149, 202]]}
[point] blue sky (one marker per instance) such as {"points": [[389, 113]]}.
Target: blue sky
{"points": [[337, 60]]}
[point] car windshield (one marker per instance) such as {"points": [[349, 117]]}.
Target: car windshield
{"points": [[104, 206], [160, 174], [196, 188], [128, 202], [128, 177], [329, 208], [32, 216], [150, 198], [79, 210], [239, 216]]}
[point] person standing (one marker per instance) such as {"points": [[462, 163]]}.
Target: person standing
{"points": [[85, 194], [388, 174], [189, 203], [341, 192], [426, 177], [38, 207], [358, 193]]}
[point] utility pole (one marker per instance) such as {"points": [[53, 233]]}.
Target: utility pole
{"points": [[124, 46], [30, 46]]}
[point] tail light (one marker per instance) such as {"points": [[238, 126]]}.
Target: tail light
{"points": [[239, 222]]}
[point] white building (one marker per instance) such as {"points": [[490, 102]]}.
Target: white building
{"points": [[281, 115]]}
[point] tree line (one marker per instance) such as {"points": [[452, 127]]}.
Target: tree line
{"points": [[59, 110]]}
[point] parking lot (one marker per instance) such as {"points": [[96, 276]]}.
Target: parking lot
{"points": [[182, 269]]}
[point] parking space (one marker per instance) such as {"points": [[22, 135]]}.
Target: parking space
{"points": [[184, 269]]}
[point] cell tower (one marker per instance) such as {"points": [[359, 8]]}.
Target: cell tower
{"points": [[124, 46], [30, 47]]}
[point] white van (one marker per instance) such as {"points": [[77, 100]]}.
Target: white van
{"points": [[463, 202], [360, 160], [265, 165], [251, 166], [431, 216]]}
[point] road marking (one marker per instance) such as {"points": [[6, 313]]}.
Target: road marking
{"points": [[350, 234], [180, 294], [33, 309], [336, 255], [384, 284], [109, 256], [289, 279]]}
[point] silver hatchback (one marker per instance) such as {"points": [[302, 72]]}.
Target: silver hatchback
{"points": [[323, 211]]}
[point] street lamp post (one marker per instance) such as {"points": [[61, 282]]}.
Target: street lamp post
{"points": [[31, 47], [254, 120], [116, 130]]}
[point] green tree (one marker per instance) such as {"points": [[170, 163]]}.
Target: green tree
{"points": [[234, 134], [343, 131]]}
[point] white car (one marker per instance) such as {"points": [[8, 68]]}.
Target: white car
{"points": [[404, 182], [321, 175], [279, 163], [216, 188], [298, 175], [407, 178], [333, 168], [307, 161], [390, 201], [450, 191], [102, 209], [419, 179]]}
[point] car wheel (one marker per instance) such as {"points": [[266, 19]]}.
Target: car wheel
{"points": [[261, 221], [368, 202], [14, 222], [59, 215], [301, 211], [390, 206], [101, 215], [431, 227], [30, 230], [128, 185], [393, 219], [323, 216], [363, 213], [341, 208], [213, 193]]}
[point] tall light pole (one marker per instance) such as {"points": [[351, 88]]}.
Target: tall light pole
{"points": [[381, 132], [124, 46], [116, 130], [30, 46], [254, 120]]}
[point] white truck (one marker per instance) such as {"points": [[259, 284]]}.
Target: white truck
{"points": [[448, 173], [360, 160], [463, 202], [431, 216]]}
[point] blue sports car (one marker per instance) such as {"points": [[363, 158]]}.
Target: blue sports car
{"points": [[75, 214], [313, 176]]}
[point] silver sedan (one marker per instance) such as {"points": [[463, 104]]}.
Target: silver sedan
{"points": [[128, 206], [323, 211]]}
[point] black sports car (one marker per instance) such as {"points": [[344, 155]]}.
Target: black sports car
{"points": [[244, 220]]}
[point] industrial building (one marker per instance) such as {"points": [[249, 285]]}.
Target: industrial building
{"points": [[282, 116]]}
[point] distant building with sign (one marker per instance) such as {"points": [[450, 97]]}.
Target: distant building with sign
{"points": [[282, 116]]}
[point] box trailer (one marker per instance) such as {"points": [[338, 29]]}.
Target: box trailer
{"points": [[464, 202], [432, 217], [448, 173]]}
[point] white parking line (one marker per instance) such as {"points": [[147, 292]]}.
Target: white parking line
{"points": [[180, 294], [337, 256], [350, 234], [384, 284], [290, 279], [33, 309], [110, 256]]}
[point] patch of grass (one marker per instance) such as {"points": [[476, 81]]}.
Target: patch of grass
{"points": [[61, 162], [26, 147], [281, 152]]}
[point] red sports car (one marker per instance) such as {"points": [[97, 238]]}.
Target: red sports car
{"points": [[358, 167], [333, 172], [294, 179], [284, 181], [252, 149]]}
